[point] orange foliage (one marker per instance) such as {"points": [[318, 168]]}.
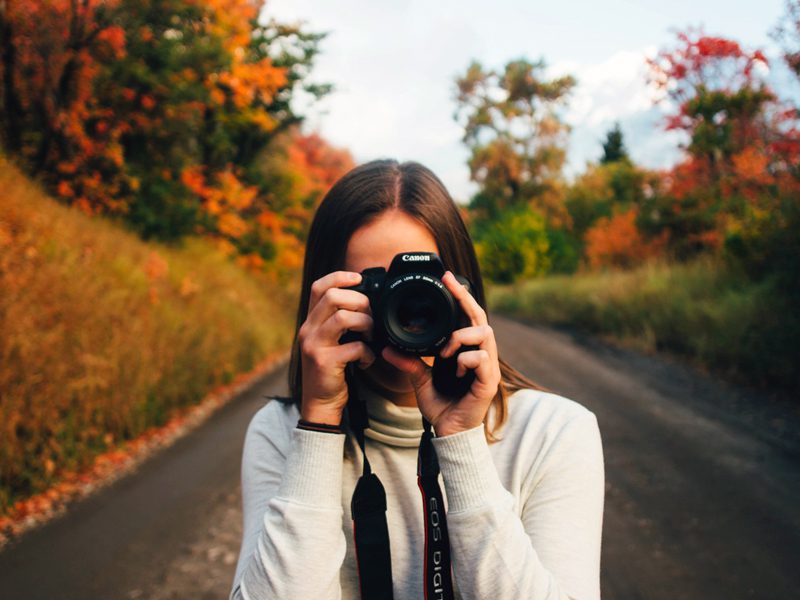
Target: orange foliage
{"points": [[618, 242], [319, 163], [307, 165], [225, 198], [245, 82], [750, 165], [59, 46], [54, 86], [113, 114]]}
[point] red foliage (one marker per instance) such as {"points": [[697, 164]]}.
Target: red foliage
{"points": [[701, 61], [718, 89], [744, 143]]}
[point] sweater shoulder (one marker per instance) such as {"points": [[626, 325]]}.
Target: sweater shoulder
{"points": [[544, 410], [540, 422], [272, 424]]}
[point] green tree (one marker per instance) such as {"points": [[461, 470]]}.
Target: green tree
{"points": [[614, 146], [514, 246]]}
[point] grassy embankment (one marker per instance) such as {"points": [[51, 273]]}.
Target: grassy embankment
{"points": [[703, 311], [103, 336]]}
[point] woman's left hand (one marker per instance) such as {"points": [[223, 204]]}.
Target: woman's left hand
{"points": [[452, 416]]}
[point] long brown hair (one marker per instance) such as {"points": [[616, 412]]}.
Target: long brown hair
{"points": [[359, 197]]}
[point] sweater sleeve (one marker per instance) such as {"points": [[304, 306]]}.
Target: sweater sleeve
{"points": [[552, 550], [293, 545]]}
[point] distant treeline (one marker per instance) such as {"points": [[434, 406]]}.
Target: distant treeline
{"points": [[701, 259], [735, 193]]}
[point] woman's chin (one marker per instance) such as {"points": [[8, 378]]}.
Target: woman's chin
{"points": [[388, 377]]}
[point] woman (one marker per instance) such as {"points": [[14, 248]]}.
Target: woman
{"points": [[522, 468]]}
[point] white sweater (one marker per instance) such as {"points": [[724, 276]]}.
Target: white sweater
{"points": [[524, 514]]}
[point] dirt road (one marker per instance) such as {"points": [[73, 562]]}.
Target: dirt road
{"points": [[702, 490]]}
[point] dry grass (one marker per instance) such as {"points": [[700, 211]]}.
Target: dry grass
{"points": [[103, 335]]}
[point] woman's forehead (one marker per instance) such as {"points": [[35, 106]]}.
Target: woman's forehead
{"points": [[376, 243]]}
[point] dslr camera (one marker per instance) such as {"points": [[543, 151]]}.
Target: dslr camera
{"points": [[414, 312]]}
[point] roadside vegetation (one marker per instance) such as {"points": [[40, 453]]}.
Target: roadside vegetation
{"points": [[703, 311], [103, 335]]}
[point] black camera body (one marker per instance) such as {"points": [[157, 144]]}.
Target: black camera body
{"points": [[414, 312]]}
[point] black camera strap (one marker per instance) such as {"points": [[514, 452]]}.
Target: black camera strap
{"points": [[438, 576], [368, 506]]}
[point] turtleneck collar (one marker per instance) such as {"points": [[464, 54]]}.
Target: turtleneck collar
{"points": [[389, 423]]}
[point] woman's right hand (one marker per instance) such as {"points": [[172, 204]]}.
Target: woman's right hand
{"points": [[331, 312]]}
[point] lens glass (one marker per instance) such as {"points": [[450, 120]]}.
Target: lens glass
{"points": [[418, 314]]}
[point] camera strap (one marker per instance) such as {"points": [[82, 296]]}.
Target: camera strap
{"points": [[368, 507], [438, 576]]}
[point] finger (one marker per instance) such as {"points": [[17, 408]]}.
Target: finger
{"points": [[335, 299], [475, 359], [354, 351], [479, 335], [334, 279], [419, 373], [468, 303], [343, 320]]}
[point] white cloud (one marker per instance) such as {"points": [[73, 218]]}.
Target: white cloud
{"points": [[394, 75], [616, 90]]}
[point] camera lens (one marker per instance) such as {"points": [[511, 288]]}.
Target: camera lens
{"points": [[418, 314]]}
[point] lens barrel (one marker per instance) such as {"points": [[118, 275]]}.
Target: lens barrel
{"points": [[419, 313]]}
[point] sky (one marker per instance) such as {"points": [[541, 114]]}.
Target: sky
{"points": [[393, 65]]}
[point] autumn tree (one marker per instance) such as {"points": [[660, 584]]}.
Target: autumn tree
{"points": [[297, 170], [728, 114], [604, 190], [517, 141], [719, 92], [617, 241], [50, 117], [765, 242], [217, 93], [605, 204], [155, 111], [515, 136]]}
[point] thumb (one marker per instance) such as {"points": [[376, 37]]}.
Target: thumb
{"points": [[419, 373]]}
